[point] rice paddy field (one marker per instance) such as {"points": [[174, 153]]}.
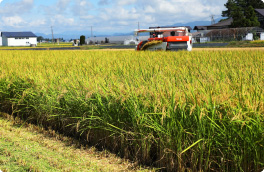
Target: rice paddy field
{"points": [[195, 111]]}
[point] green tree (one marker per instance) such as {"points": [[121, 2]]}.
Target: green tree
{"points": [[238, 17], [250, 16], [242, 12], [231, 6], [255, 3], [39, 38], [82, 40]]}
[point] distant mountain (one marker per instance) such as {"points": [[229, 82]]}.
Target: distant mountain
{"points": [[65, 36], [76, 34]]}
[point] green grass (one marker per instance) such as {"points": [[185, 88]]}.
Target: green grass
{"points": [[61, 44], [91, 47], [246, 44], [200, 110]]}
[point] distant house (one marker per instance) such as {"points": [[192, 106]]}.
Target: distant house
{"points": [[18, 39], [223, 30], [0, 39]]}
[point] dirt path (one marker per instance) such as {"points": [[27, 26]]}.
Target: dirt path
{"points": [[25, 147]]}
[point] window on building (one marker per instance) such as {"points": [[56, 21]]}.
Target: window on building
{"points": [[21, 37]]}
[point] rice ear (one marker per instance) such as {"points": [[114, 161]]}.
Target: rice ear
{"points": [[148, 44]]}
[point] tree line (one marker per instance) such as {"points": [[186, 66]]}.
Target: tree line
{"points": [[243, 12]]}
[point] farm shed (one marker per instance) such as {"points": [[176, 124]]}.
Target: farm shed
{"points": [[0, 39], [18, 39]]}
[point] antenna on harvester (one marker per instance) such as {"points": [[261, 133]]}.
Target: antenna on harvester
{"points": [[52, 35], [212, 19]]}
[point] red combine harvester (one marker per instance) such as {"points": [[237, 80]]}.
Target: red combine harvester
{"points": [[171, 38]]}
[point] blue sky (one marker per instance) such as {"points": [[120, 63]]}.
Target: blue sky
{"points": [[106, 16]]}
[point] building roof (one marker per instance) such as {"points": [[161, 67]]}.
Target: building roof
{"points": [[260, 11], [219, 25], [18, 34], [194, 34], [226, 22], [200, 28]]}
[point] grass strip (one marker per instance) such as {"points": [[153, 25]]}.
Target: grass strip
{"points": [[32, 148]]}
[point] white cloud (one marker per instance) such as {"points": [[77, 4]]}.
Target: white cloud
{"points": [[38, 23], [110, 15], [103, 2], [176, 11], [159, 12], [81, 7], [126, 2], [120, 14], [149, 9], [17, 8], [62, 5], [14, 21], [89, 17], [61, 20]]}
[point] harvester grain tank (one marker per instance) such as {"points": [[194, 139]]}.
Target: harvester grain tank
{"points": [[169, 38]]}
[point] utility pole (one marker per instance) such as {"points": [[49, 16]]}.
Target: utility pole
{"points": [[138, 25], [92, 34], [91, 31], [212, 19], [52, 35]]}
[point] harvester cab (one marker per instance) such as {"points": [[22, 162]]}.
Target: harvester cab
{"points": [[170, 38]]}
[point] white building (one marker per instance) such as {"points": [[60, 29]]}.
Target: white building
{"points": [[248, 37], [18, 39], [115, 39], [0, 39], [262, 36]]}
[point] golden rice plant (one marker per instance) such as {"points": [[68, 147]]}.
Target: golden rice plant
{"points": [[151, 43], [198, 111]]}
